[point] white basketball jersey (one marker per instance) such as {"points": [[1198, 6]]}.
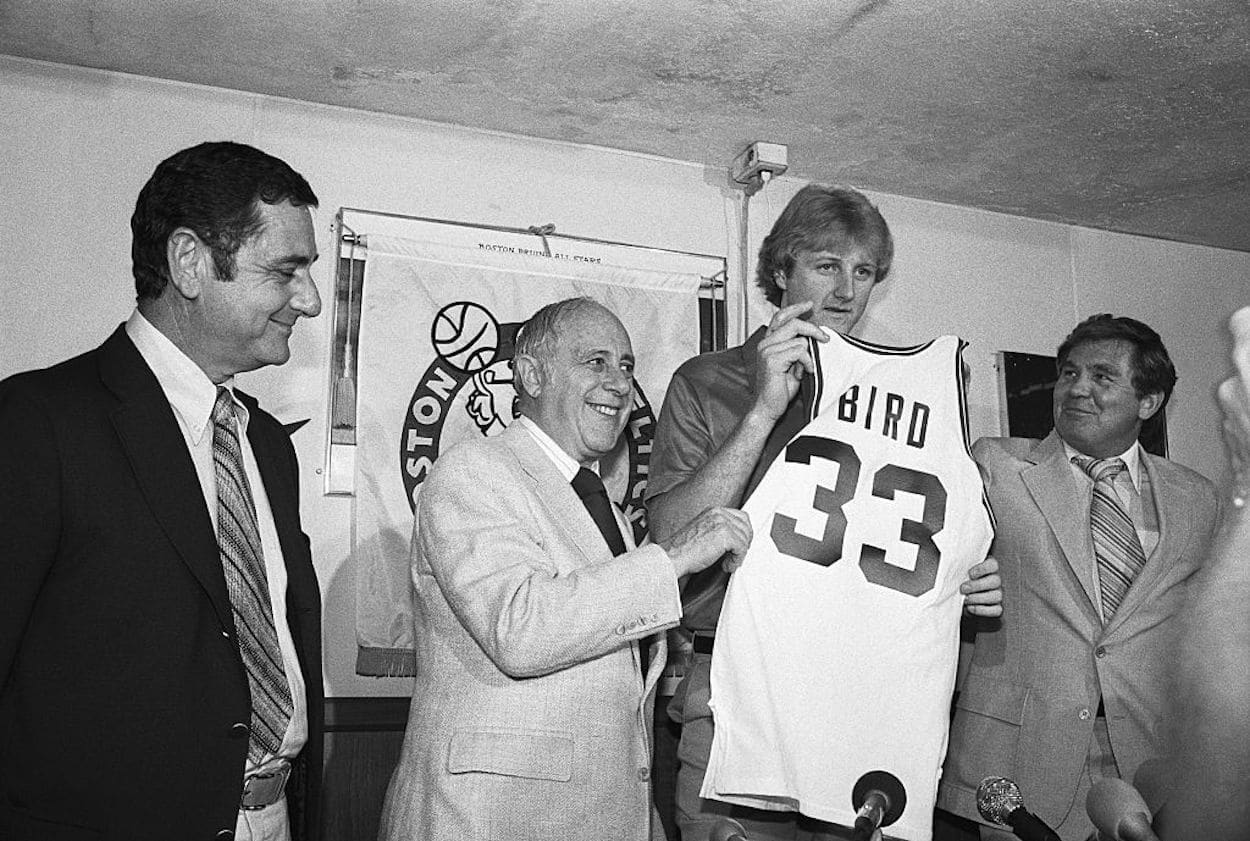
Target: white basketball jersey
{"points": [[837, 645]]}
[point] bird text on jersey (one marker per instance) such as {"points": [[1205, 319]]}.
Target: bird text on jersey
{"points": [[888, 411]]}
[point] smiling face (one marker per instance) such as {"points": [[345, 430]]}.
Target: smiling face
{"points": [[838, 279], [581, 393], [246, 322], [1096, 406]]}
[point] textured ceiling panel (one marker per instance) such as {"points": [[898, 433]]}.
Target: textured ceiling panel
{"points": [[1130, 115]]}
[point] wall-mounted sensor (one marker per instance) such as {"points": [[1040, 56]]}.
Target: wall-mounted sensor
{"points": [[757, 163]]}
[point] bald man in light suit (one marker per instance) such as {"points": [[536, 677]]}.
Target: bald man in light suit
{"points": [[531, 712]]}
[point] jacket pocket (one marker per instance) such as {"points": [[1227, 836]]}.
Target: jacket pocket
{"points": [[984, 740], [532, 754], [996, 699]]}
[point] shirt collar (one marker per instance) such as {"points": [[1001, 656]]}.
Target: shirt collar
{"points": [[188, 389], [747, 349], [1131, 458], [565, 463]]}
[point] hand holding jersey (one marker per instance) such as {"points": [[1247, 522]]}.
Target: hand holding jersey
{"points": [[866, 524], [714, 533], [727, 414], [783, 358]]}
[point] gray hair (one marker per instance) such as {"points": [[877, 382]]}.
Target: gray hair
{"points": [[538, 335]]}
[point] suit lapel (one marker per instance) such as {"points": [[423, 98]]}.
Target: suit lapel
{"points": [[571, 517], [555, 493], [276, 477], [270, 446], [1050, 483], [158, 455]]}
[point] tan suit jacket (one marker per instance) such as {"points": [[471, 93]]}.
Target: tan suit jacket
{"points": [[530, 716], [1027, 705]]}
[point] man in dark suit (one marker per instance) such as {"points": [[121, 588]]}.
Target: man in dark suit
{"points": [[160, 645], [1097, 541]]}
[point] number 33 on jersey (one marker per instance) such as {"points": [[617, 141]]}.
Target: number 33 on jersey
{"points": [[837, 644]]}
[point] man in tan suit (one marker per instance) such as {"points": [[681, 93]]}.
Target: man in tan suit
{"points": [[531, 712], [1074, 682]]}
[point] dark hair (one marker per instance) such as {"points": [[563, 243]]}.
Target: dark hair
{"points": [[817, 214], [213, 189], [1153, 371]]}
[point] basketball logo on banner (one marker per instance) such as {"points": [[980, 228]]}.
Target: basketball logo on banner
{"points": [[466, 336], [468, 390]]}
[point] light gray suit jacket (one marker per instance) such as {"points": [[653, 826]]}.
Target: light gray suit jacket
{"points": [[530, 716], [1027, 705]]}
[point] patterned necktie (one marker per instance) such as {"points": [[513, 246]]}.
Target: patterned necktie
{"points": [[590, 488], [1116, 545], [243, 562]]}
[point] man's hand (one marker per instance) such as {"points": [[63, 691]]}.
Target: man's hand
{"points": [[708, 536], [1234, 399], [983, 591], [781, 359]]}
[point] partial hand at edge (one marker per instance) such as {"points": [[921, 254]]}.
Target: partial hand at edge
{"points": [[706, 538], [1233, 397], [983, 591]]}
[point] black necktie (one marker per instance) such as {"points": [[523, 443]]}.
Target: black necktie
{"points": [[590, 488], [595, 498]]}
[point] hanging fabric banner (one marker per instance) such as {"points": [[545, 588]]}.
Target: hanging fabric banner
{"points": [[437, 328]]}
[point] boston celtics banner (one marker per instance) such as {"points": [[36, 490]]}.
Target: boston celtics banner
{"points": [[437, 329]]}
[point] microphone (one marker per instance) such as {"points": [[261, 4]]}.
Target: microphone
{"points": [[879, 798], [727, 829], [999, 801], [1119, 811], [1154, 779]]}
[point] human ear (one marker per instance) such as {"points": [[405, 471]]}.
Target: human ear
{"points": [[1148, 405], [186, 254], [527, 375]]}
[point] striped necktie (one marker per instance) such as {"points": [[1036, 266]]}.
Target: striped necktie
{"points": [[243, 562], [1116, 545]]}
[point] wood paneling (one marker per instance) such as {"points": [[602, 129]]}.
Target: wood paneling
{"points": [[363, 738]]}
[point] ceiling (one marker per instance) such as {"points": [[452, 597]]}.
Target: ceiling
{"points": [[1128, 115]]}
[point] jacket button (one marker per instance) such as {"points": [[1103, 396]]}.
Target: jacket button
{"points": [[644, 774], [239, 730], [1083, 715], [1100, 651], [225, 835]]}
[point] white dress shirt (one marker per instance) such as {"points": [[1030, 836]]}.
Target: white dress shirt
{"points": [[191, 395]]}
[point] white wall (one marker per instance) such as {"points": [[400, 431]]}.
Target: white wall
{"points": [[78, 145]]}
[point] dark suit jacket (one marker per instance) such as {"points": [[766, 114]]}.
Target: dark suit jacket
{"points": [[120, 676], [1027, 706]]}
